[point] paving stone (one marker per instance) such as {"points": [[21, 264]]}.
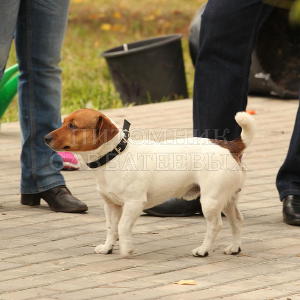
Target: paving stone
{"points": [[47, 256]]}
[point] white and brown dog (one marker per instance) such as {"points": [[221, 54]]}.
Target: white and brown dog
{"points": [[133, 176]]}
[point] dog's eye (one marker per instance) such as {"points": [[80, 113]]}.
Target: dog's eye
{"points": [[72, 126]]}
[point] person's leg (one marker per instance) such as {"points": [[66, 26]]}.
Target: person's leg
{"points": [[8, 18], [227, 38], [40, 32], [288, 178]]}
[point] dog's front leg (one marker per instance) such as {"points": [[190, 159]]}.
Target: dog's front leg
{"points": [[112, 215], [131, 211]]}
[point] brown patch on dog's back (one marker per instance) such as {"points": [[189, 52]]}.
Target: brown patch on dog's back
{"points": [[235, 147]]}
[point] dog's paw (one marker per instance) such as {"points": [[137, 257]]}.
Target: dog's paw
{"points": [[232, 249], [200, 252], [126, 252], [103, 249]]}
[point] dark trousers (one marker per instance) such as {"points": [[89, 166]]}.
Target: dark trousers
{"points": [[228, 34]]}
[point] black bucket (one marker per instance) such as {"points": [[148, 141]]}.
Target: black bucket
{"points": [[148, 71], [275, 68]]}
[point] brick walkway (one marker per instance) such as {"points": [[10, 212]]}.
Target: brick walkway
{"points": [[46, 255]]}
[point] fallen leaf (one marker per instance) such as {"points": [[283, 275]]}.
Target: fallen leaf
{"points": [[149, 18], [117, 15], [105, 27], [251, 112], [186, 282]]}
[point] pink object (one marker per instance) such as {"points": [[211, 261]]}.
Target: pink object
{"points": [[70, 161]]}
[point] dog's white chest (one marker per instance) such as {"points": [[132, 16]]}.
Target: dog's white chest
{"points": [[110, 187]]}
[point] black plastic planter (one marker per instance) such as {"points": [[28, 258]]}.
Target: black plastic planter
{"points": [[149, 70], [275, 69]]}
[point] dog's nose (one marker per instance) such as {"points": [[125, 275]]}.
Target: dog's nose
{"points": [[48, 138]]}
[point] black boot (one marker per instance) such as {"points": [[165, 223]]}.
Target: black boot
{"points": [[175, 207], [58, 198], [291, 210]]}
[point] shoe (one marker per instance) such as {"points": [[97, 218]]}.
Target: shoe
{"points": [[175, 207], [70, 161], [58, 198], [291, 210]]}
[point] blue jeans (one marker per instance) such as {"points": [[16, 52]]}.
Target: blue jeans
{"points": [[228, 33], [38, 26]]}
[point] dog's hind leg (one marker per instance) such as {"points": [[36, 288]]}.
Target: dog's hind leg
{"points": [[235, 219], [212, 211], [112, 215], [131, 211]]}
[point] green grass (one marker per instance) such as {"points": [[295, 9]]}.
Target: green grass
{"points": [[97, 25]]}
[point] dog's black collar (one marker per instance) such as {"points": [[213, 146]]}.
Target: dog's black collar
{"points": [[116, 151]]}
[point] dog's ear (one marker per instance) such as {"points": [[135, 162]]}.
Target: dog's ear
{"points": [[105, 129], [99, 125]]}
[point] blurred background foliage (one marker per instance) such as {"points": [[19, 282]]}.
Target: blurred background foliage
{"points": [[97, 25], [295, 13]]}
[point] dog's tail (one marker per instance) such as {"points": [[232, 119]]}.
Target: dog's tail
{"points": [[246, 121]]}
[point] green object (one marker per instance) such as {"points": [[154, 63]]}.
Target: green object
{"points": [[280, 3], [8, 87], [295, 13]]}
